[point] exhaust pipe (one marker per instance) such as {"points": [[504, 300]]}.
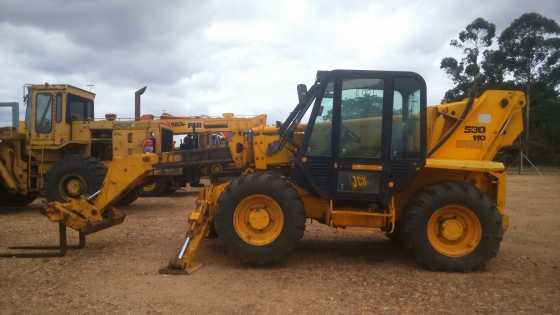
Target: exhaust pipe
{"points": [[137, 95]]}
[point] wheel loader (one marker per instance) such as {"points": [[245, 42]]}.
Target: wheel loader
{"points": [[60, 151], [361, 149]]}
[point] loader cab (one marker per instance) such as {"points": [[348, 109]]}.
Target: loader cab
{"points": [[53, 110], [366, 134]]}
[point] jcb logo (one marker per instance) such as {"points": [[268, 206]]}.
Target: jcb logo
{"points": [[359, 182]]}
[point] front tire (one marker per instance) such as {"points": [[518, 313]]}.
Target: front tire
{"points": [[260, 218], [452, 227], [73, 176]]}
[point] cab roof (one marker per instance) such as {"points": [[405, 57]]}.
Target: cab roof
{"points": [[64, 88]]}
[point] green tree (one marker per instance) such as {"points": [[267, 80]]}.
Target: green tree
{"points": [[531, 49], [474, 41]]}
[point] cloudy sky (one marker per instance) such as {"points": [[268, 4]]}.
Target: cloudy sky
{"points": [[210, 57]]}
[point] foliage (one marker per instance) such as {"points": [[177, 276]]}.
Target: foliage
{"points": [[527, 57], [474, 40]]}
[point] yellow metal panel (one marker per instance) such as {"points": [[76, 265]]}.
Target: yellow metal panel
{"points": [[357, 218], [367, 167], [466, 165], [493, 122]]}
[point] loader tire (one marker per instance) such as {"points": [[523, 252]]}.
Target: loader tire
{"points": [[74, 176], [260, 218], [129, 198], [452, 226], [156, 188], [14, 200]]}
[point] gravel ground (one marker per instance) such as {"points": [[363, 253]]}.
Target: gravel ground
{"points": [[330, 272]]}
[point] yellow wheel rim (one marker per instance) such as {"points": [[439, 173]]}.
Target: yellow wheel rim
{"points": [[454, 231], [72, 186], [149, 187], [258, 220]]}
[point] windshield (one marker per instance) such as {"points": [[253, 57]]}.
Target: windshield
{"points": [[79, 108]]}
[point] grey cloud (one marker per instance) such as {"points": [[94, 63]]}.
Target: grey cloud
{"points": [[237, 56]]}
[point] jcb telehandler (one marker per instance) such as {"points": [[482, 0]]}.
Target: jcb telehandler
{"points": [[371, 154]]}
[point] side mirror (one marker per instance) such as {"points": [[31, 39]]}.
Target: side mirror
{"points": [[301, 91]]}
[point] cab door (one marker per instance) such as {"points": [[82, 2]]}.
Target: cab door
{"points": [[362, 106], [366, 136], [42, 117]]}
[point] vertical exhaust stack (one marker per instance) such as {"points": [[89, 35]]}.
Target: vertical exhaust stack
{"points": [[137, 95]]}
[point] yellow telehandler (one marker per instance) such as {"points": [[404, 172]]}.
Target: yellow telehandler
{"points": [[361, 149]]}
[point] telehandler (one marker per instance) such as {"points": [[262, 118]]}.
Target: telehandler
{"points": [[361, 149]]}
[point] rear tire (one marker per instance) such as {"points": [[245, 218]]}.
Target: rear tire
{"points": [[73, 176], [452, 227], [14, 200], [156, 188], [129, 198], [267, 240]]}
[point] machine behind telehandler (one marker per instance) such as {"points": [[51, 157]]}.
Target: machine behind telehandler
{"points": [[361, 149], [61, 151]]}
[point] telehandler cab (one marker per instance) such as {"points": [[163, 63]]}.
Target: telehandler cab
{"points": [[370, 154]]}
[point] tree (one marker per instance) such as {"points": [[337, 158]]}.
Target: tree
{"points": [[474, 41], [531, 49]]}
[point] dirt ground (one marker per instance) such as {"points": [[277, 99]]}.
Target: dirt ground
{"points": [[330, 272]]}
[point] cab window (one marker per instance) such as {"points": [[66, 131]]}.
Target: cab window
{"points": [[58, 109], [320, 140], [405, 135], [43, 115], [361, 118], [79, 108]]}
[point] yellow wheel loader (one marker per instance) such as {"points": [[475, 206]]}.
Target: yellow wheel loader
{"points": [[60, 151], [361, 149]]}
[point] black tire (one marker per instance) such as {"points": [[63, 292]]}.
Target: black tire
{"points": [[90, 170], [170, 190], [161, 188], [129, 198], [435, 197], [14, 200], [272, 186]]}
